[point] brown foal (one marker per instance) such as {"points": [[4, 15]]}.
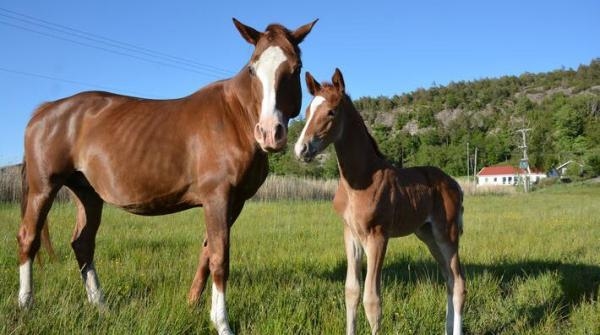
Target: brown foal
{"points": [[378, 201], [153, 157]]}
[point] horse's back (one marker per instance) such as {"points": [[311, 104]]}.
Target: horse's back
{"points": [[137, 152]]}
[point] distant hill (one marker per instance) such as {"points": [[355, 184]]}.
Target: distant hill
{"points": [[433, 126]]}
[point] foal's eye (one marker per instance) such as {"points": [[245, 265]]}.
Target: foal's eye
{"points": [[251, 70]]}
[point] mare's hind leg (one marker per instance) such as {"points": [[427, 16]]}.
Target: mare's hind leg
{"points": [[443, 244], [199, 282], [83, 242], [39, 202]]}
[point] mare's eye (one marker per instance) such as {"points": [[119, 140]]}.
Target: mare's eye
{"points": [[251, 70], [331, 113]]}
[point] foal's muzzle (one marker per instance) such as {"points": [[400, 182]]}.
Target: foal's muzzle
{"points": [[305, 151]]}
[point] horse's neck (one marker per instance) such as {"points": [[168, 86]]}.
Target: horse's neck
{"points": [[240, 88], [357, 158]]}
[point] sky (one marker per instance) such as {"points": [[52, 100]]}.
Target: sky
{"points": [[169, 49]]}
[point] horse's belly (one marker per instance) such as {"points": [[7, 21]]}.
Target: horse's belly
{"points": [[158, 207]]}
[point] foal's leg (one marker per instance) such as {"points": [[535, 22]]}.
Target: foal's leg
{"points": [[39, 201], [375, 248], [83, 242], [425, 234], [354, 254], [447, 243]]}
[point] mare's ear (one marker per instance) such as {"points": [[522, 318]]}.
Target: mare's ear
{"points": [[338, 81], [312, 85], [248, 33], [300, 33]]}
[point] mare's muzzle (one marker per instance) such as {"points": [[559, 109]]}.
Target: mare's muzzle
{"points": [[271, 135]]}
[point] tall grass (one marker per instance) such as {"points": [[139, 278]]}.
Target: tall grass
{"points": [[531, 260]]}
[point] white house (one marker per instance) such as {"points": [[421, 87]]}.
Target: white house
{"points": [[505, 175]]}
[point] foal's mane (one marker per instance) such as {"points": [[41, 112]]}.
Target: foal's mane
{"points": [[331, 93]]}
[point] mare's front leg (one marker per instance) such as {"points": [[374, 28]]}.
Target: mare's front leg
{"points": [[354, 254], [219, 216], [375, 247]]}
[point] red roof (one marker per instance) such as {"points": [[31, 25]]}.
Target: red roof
{"points": [[497, 170], [504, 170]]}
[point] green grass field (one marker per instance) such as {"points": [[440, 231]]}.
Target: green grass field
{"points": [[532, 264]]}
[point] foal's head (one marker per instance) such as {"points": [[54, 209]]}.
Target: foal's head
{"points": [[274, 69], [324, 116]]}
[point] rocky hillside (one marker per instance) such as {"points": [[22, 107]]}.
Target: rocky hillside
{"points": [[433, 126]]}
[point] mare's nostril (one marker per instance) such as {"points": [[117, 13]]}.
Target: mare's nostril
{"points": [[279, 132]]}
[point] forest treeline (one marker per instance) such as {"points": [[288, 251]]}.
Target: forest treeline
{"points": [[433, 126]]}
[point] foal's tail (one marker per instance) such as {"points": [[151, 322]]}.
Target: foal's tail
{"points": [[45, 233]]}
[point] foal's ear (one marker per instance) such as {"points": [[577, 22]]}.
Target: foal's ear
{"points": [[248, 33], [300, 33], [338, 81], [312, 84]]}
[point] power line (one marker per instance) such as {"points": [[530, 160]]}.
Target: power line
{"points": [[109, 45], [109, 50], [108, 41], [95, 86]]}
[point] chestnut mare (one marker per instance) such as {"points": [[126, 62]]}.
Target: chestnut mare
{"points": [[378, 201], [153, 157]]}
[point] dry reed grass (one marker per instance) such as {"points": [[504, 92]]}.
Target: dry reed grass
{"points": [[10, 185], [274, 188], [296, 188], [471, 189]]}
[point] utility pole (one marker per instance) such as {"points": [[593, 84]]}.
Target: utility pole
{"points": [[475, 166], [524, 163], [468, 170]]}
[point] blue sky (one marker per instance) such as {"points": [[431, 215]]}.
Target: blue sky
{"points": [[382, 47]]}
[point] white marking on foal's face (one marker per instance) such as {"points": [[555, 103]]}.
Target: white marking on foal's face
{"points": [[266, 69], [314, 105]]}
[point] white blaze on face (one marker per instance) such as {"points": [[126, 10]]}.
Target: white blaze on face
{"points": [[314, 104], [266, 68]]}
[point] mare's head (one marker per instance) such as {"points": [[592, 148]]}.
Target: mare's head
{"points": [[324, 116], [274, 69]]}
